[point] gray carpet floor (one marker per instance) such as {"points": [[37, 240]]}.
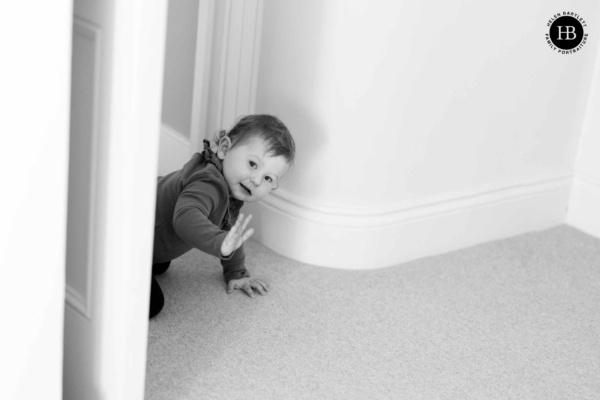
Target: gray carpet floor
{"points": [[512, 319]]}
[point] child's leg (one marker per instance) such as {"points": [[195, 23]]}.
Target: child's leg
{"points": [[160, 268], [157, 299]]}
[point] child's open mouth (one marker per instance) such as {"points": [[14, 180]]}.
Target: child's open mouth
{"points": [[246, 189]]}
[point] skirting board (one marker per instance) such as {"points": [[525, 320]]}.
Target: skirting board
{"points": [[584, 206], [376, 239]]}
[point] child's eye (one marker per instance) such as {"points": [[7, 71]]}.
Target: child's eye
{"points": [[269, 179], [252, 164]]}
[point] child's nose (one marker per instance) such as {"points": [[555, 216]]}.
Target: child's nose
{"points": [[256, 179]]}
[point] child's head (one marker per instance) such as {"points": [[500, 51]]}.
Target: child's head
{"points": [[256, 154]]}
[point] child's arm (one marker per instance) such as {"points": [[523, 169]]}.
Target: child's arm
{"points": [[234, 270], [192, 224], [192, 220]]}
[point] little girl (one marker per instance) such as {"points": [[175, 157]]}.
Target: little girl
{"points": [[199, 205]]}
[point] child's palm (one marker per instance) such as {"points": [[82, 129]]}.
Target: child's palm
{"points": [[236, 236]]}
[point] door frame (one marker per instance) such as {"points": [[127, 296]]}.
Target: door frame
{"points": [[106, 330]]}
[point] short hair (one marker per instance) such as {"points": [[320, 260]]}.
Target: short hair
{"points": [[276, 135]]}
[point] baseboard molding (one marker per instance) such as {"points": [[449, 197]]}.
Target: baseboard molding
{"points": [[378, 237], [175, 150], [584, 205]]}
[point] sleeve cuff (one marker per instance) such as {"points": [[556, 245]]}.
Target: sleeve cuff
{"points": [[236, 275]]}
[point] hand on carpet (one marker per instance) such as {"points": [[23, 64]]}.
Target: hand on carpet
{"points": [[248, 285]]}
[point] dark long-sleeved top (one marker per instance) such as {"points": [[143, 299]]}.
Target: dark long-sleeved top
{"points": [[194, 209]]}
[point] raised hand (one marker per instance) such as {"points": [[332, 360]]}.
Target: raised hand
{"points": [[236, 236]]}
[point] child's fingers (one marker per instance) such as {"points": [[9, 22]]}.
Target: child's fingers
{"points": [[236, 226], [246, 222], [248, 289], [258, 287], [247, 234], [240, 225]]}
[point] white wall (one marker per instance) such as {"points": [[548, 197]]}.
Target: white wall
{"points": [[584, 206], [35, 38], [420, 127]]}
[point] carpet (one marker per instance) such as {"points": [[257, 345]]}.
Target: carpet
{"points": [[512, 319]]}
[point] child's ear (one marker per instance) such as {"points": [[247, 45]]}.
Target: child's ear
{"points": [[223, 147]]}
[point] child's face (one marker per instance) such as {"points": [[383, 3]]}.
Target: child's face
{"points": [[249, 171]]}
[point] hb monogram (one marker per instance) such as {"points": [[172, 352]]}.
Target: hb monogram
{"points": [[566, 33], [569, 32]]}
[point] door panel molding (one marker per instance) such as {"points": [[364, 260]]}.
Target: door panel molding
{"points": [[85, 87]]}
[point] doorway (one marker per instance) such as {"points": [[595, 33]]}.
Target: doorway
{"points": [[117, 83]]}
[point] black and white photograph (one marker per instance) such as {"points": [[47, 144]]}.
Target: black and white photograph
{"points": [[300, 200]]}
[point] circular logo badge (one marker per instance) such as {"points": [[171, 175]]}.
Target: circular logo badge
{"points": [[566, 33]]}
